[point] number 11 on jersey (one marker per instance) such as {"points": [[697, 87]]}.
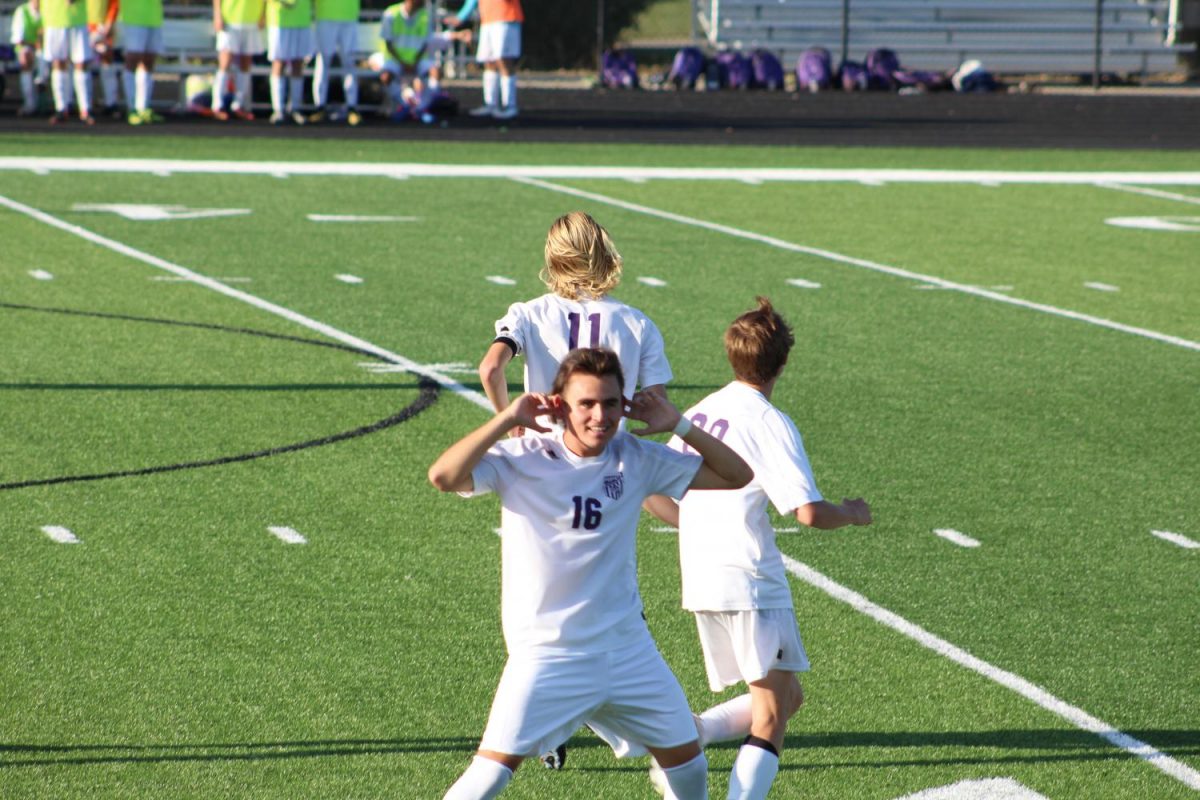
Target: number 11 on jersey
{"points": [[593, 322]]}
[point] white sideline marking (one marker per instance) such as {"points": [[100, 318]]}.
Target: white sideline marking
{"points": [[176, 279], [1102, 287], [358, 218], [500, 280], [287, 535], [348, 278], [865, 264], [800, 283], [1176, 538], [154, 213], [60, 534], [264, 305], [1159, 193], [659, 282], [565, 172], [960, 539], [982, 789], [41, 275], [1036, 694], [1174, 224]]}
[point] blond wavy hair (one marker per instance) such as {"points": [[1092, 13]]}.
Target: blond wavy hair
{"points": [[581, 261]]}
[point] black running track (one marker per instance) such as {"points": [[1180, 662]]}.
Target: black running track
{"points": [[1084, 119]]}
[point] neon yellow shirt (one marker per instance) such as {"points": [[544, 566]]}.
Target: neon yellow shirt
{"points": [[26, 26], [143, 13], [338, 10], [241, 12], [289, 13], [61, 14], [407, 34]]}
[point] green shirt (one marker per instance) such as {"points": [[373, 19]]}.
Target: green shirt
{"points": [[289, 13], [241, 12], [26, 26], [142, 13], [61, 14], [338, 10], [407, 34]]}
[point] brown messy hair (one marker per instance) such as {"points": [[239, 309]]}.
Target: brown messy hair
{"points": [[597, 361], [757, 344], [581, 261]]}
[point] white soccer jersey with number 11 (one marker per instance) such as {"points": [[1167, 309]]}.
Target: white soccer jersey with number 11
{"points": [[727, 550], [568, 531], [545, 329]]}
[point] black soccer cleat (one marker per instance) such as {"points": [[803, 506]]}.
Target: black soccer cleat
{"points": [[554, 759]]}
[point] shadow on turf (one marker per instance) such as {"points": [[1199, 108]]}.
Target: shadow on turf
{"points": [[1046, 745]]}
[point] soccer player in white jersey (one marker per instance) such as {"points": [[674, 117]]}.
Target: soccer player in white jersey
{"points": [[578, 646], [734, 579], [581, 267]]}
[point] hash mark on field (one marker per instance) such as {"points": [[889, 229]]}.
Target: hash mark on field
{"points": [[287, 535], [960, 539], [800, 283], [177, 279], [997, 288], [500, 280], [1102, 287], [349, 278], [658, 282], [1176, 538], [60, 534], [41, 275]]}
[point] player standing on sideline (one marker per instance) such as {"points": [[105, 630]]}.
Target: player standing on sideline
{"points": [[405, 35], [499, 48], [26, 37], [581, 267], [578, 646], [289, 42], [65, 44], [102, 14], [142, 38], [734, 580], [238, 24], [337, 32]]}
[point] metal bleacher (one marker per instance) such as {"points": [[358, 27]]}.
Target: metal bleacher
{"points": [[1008, 36]]}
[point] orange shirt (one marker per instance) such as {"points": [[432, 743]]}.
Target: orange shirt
{"points": [[500, 11]]}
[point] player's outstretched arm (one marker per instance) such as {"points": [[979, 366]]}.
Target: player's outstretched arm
{"points": [[826, 516], [451, 472], [722, 468]]}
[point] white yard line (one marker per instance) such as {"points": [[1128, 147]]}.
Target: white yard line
{"points": [[1036, 694], [1176, 538], [1102, 287], [41, 275], [1123, 187], [263, 305], [771, 241], [960, 539], [345, 278], [287, 535], [60, 534]]}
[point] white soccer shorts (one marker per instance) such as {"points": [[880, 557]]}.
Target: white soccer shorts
{"points": [[746, 645], [543, 699], [337, 36], [499, 40], [67, 44], [141, 39], [289, 44], [241, 40]]}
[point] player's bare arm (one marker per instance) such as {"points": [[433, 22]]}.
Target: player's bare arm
{"points": [[663, 507], [828, 516], [722, 467], [452, 470], [493, 376]]}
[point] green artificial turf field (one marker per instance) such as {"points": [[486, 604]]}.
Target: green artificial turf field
{"points": [[999, 360]]}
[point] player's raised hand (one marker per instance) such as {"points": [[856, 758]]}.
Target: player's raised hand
{"points": [[526, 409], [659, 414]]}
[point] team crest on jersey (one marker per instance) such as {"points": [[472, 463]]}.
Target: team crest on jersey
{"points": [[614, 485]]}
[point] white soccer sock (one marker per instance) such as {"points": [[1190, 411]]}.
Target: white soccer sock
{"points": [[688, 781], [296, 93], [508, 91], [243, 98], [491, 87], [727, 721], [108, 80], [218, 89], [483, 780], [145, 88], [83, 92], [350, 87], [321, 81], [753, 773], [28, 89], [277, 93], [60, 85]]}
